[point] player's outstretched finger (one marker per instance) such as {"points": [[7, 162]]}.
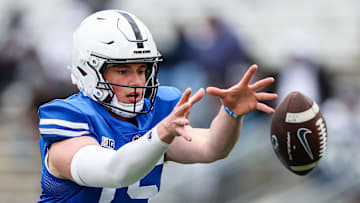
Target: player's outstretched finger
{"points": [[185, 97], [266, 96], [262, 83], [249, 74], [183, 109], [265, 108], [197, 96]]}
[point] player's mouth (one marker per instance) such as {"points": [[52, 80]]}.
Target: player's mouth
{"points": [[133, 97]]}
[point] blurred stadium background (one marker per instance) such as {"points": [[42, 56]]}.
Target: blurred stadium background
{"points": [[310, 46]]}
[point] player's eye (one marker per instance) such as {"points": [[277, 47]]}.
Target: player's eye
{"points": [[121, 71], [141, 70]]}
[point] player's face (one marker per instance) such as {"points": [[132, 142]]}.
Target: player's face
{"points": [[132, 74]]}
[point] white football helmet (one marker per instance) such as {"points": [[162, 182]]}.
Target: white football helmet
{"points": [[112, 37]]}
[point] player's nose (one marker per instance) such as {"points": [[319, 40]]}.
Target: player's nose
{"points": [[136, 80]]}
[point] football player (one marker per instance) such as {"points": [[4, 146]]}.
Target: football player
{"points": [[108, 143]]}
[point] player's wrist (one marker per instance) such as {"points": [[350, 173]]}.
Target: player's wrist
{"points": [[154, 132], [163, 134], [232, 114]]}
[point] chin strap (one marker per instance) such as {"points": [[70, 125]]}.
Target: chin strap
{"points": [[128, 107]]}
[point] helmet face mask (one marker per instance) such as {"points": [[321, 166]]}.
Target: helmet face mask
{"points": [[149, 89], [108, 38]]}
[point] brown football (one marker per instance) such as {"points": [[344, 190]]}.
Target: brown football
{"points": [[298, 133]]}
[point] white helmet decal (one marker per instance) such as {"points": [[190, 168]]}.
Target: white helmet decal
{"points": [[113, 37]]}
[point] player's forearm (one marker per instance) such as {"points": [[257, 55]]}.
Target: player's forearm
{"points": [[224, 132], [99, 167]]}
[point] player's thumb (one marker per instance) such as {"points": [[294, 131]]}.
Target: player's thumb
{"points": [[214, 91]]}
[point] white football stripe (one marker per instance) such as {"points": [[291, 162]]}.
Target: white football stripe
{"points": [[302, 116], [68, 124], [69, 133], [304, 167]]}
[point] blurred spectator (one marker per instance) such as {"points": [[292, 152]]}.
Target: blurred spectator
{"points": [[211, 45], [179, 70], [31, 59], [305, 76], [216, 48], [302, 73], [180, 51], [208, 52], [12, 51]]}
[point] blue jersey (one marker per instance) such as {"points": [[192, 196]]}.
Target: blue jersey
{"points": [[79, 115]]}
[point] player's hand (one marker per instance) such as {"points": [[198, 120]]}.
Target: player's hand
{"points": [[174, 124], [243, 98]]}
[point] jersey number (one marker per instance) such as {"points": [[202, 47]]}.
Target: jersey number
{"points": [[135, 191]]}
